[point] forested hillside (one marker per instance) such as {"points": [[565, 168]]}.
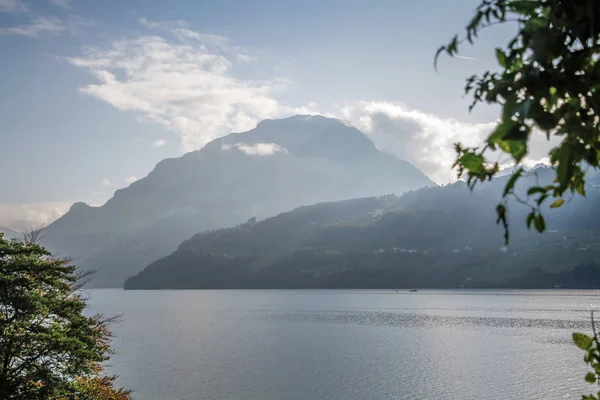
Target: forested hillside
{"points": [[433, 237]]}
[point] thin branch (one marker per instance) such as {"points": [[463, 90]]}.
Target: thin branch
{"points": [[34, 236], [594, 330]]}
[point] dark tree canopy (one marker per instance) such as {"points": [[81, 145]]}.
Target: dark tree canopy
{"points": [[48, 348], [549, 80]]}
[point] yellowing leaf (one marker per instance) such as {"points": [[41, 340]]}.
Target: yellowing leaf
{"points": [[557, 203]]}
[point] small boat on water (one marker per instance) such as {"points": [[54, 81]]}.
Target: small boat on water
{"points": [[413, 290]]}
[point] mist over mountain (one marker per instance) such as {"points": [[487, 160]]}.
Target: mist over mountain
{"points": [[279, 165], [511, 170], [439, 237]]}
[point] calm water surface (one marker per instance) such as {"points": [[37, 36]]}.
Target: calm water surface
{"points": [[187, 345]]}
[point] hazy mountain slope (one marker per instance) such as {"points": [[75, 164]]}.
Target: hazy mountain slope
{"points": [[10, 234], [279, 165], [434, 237]]}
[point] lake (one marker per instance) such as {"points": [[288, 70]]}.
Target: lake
{"points": [[348, 344]]}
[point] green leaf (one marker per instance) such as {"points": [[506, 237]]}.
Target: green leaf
{"points": [[437, 55], [580, 187], [524, 7], [501, 212], [590, 377], [557, 203], [475, 22], [517, 132], [564, 170], [584, 342], [524, 108], [509, 107], [539, 223], [546, 121], [452, 47], [518, 149], [500, 133], [530, 219], [511, 182], [472, 161], [501, 56]]}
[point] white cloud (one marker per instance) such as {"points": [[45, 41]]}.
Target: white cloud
{"points": [[21, 217], [424, 140], [48, 26], [105, 182], [130, 179], [13, 6], [530, 163], [62, 3], [257, 149], [182, 81], [158, 143], [427, 141]]}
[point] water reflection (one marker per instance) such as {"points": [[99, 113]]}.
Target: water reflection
{"points": [[348, 344]]}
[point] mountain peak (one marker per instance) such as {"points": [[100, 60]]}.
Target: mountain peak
{"points": [[79, 207], [302, 119], [306, 135]]}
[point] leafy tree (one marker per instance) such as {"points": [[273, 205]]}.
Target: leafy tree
{"points": [[48, 348], [549, 81], [97, 387]]}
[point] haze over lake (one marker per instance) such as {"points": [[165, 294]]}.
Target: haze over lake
{"points": [[348, 344]]}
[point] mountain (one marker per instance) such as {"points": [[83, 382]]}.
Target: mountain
{"points": [[438, 237], [279, 165], [10, 234]]}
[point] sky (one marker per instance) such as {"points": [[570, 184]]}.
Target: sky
{"points": [[94, 93]]}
